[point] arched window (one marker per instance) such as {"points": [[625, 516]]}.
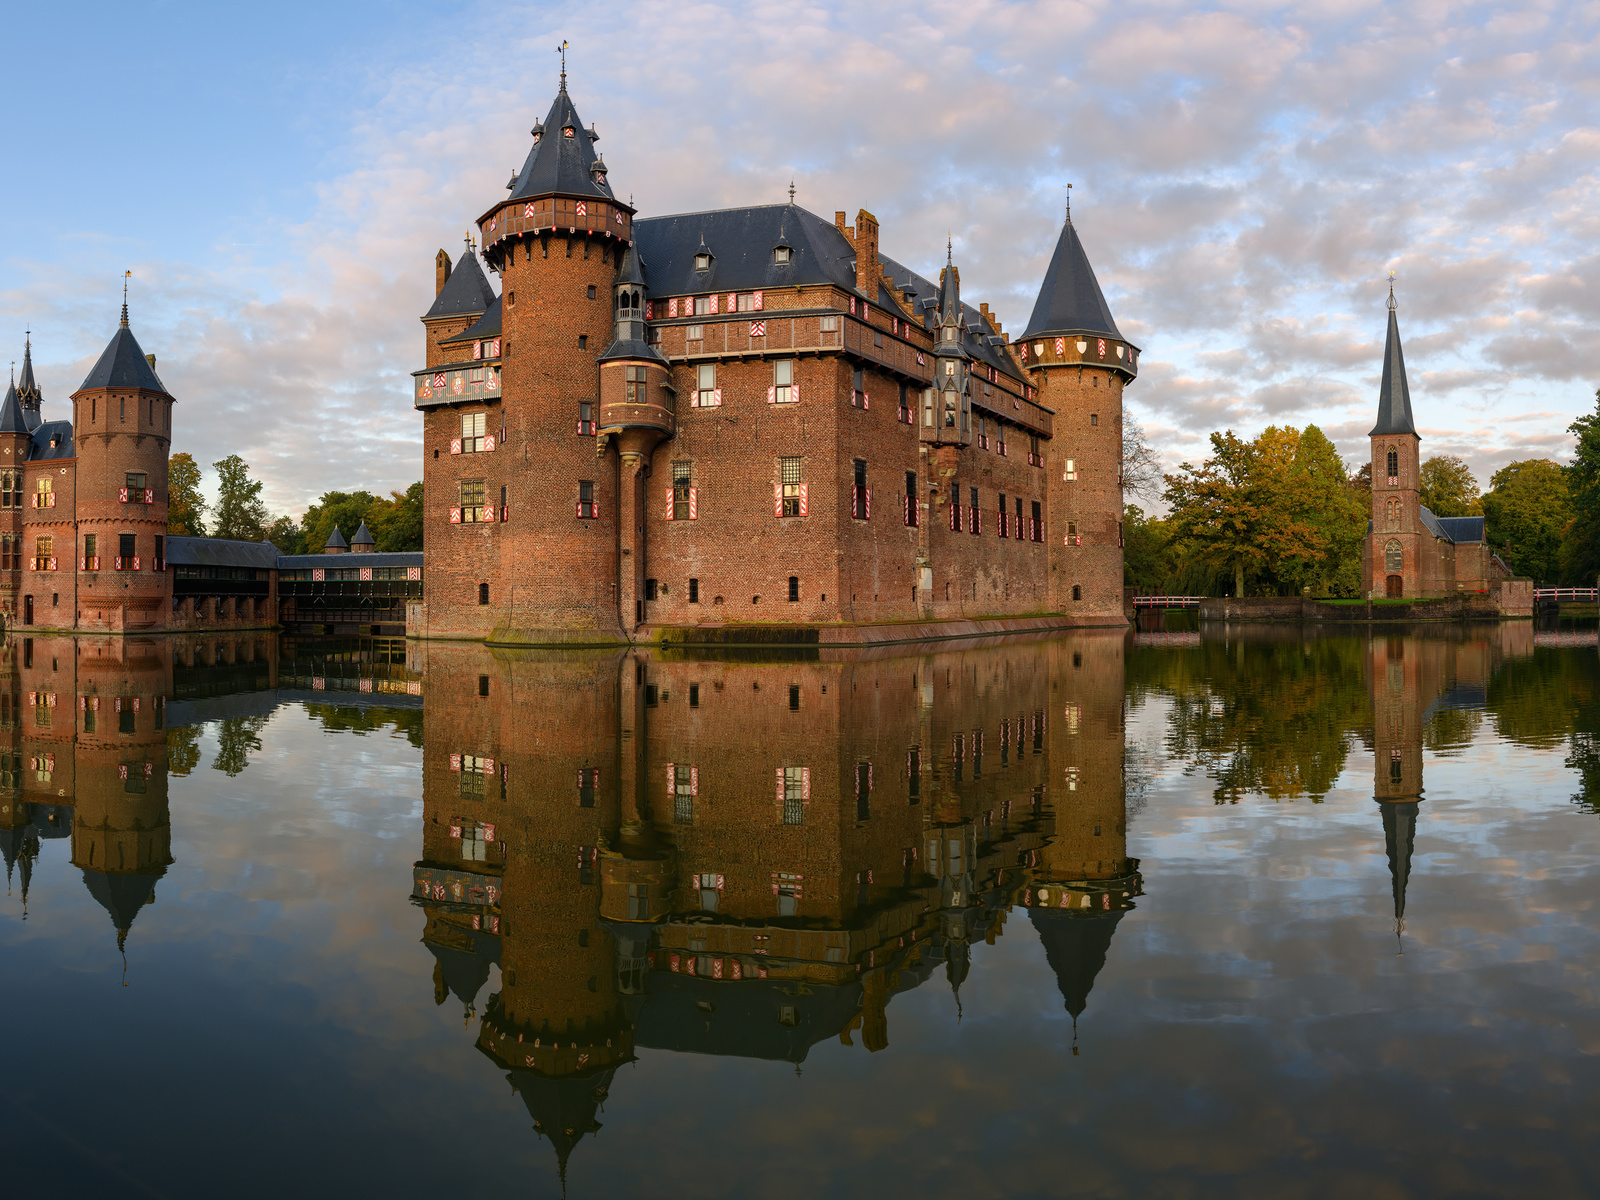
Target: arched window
{"points": [[1392, 556], [1077, 592], [1394, 464]]}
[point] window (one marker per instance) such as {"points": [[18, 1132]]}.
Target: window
{"points": [[483, 593], [127, 545], [830, 324], [1035, 456], [783, 389], [471, 500], [1094, 419], [796, 791], [588, 506], [927, 408], [1018, 532], [161, 553], [135, 483], [780, 254], [10, 489], [472, 432], [702, 262], [685, 785], [694, 591], [910, 503], [949, 366], [45, 496], [696, 332], [585, 416], [583, 341], [91, 550], [591, 291], [974, 513], [794, 593], [1001, 436], [635, 384], [863, 791], [877, 337], [1394, 467], [694, 695], [1072, 470], [949, 334], [1003, 529], [983, 432], [1077, 594], [45, 547], [1393, 556], [905, 404], [1036, 530], [702, 306], [860, 494], [791, 491], [858, 389], [684, 505], [650, 589], [746, 302], [707, 394]]}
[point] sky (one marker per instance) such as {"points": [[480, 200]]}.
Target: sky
{"points": [[1245, 176]]}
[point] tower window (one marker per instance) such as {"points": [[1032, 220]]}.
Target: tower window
{"points": [[483, 593], [583, 341], [472, 427], [635, 382], [1394, 467], [683, 499], [591, 291], [650, 589], [1077, 594], [1094, 418], [860, 495], [588, 508], [694, 598], [792, 494], [585, 417], [471, 500], [783, 391], [858, 389], [794, 597], [695, 332], [707, 395]]}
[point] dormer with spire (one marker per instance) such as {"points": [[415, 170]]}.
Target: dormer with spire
{"points": [[29, 395], [952, 364]]}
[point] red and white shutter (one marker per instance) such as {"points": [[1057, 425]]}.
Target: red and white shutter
{"points": [[669, 504], [672, 779], [757, 301], [772, 394], [805, 784], [694, 779], [455, 445], [780, 785], [122, 495], [716, 397], [694, 504], [455, 516], [794, 392], [855, 500], [869, 504], [455, 762], [672, 308], [777, 499], [802, 499], [866, 399], [733, 304], [713, 302]]}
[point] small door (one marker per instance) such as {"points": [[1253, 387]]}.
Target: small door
{"points": [[1394, 588], [27, 610]]}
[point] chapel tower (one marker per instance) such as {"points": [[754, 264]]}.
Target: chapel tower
{"points": [[1080, 363], [1391, 567], [121, 433]]}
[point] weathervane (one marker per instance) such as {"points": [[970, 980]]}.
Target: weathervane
{"points": [[791, 189], [1392, 304], [562, 50], [1069, 204]]}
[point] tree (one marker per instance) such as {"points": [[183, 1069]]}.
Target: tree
{"points": [[1147, 553], [240, 512], [1217, 509], [1321, 500], [185, 504], [344, 510], [1580, 547], [1448, 488], [1141, 469], [396, 523], [1528, 509], [287, 536]]}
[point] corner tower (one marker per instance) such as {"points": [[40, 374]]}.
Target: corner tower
{"points": [[1080, 362], [1391, 566], [121, 434]]}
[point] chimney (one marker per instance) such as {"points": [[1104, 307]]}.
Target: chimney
{"points": [[441, 271], [868, 273], [839, 224], [151, 359]]}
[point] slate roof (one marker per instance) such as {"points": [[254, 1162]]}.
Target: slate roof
{"points": [[743, 1020], [1394, 395], [363, 537], [123, 364], [186, 551], [381, 558], [1070, 300], [336, 540], [27, 386], [1462, 529], [466, 293], [558, 164], [976, 331], [1075, 946], [11, 418], [464, 969], [486, 326], [1399, 833], [563, 1107], [122, 895], [59, 432]]}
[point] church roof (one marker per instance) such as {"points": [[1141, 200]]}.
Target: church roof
{"points": [[1070, 300], [27, 386], [11, 418], [1462, 529], [466, 293], [123, 365], [1075, 946], [1399, 831], [560, 164], [1394, 395]]}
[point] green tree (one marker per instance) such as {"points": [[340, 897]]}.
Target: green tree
{"points": [[236, 740], [396, 523], [1527, 511], [286, 535], [1322, 501], [185, 505], [1580, 547], [1147, 553], [1448, 488], [346, 510], [183, 749], [240, 512]]}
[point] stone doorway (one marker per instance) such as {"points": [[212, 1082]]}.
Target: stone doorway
{"points": [[1393, 587]]}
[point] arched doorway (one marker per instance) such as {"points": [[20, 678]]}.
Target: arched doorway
{"points": [[1393, 587]]}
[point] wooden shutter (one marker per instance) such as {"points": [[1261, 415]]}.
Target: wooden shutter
{"points": [[802, 499], [772, 394], [455, 516], [694, 779], [694, 504], [672, 779], [869, 504], [757, 301], [455, 445], [805, 784], [794, 392], [780, 786], [777, 499], [669, 504]]}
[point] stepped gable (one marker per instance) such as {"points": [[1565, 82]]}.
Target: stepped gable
{"points": [[1070, 299]]}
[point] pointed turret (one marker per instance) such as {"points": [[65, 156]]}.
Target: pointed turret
{"points": [[952, 363], [1394, 394], [629, 338], [562, 160], [28, 393], [363, 542], [12, 419], [1399, 830], [123, 364], [1070, 300], [1076, 942], [336, 543], [122, 896]]}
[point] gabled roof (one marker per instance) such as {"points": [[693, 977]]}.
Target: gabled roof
{"points": [[1462, 529], [466, 293], [486, 326], [1394, 395], [123, 365], [58, 432], [11, 418], [1070, 300], [559, 164], [741, 241]]}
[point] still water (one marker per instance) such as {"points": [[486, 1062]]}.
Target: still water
{"points": [[1234, 913]]}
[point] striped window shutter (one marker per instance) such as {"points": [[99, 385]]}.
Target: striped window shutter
{"points": [[772, 395], [805, 784], [455, 516], [955, 516], [794, 392], [713, 302], [802, 499], [777, 499], [672, 779], [455, 445], [672, 308], [694, 504], [758, 301], [488, 516], [855, 500], [122, 495], [669, 504], [488, 443], [852, 306], [455, 762], [866, 400], [780, 785], [905, 509], [732, 302], [694, 780], [716, 397], [869, 504]]}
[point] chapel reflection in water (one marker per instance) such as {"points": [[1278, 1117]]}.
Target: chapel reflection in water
{"points": [[745, 856]]}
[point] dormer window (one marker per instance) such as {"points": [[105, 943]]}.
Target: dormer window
{"points": [[780, 254], [568, 131], [702, 262], [950, 333]]}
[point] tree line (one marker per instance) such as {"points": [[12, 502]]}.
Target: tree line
{"points": [[395, 521], [1281, 512]]}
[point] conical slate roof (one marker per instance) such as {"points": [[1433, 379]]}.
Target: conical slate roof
{"points": [[11, 418], [563, 1108], [464, 970], [484, 328], [121, 895], [27, 387], [631, 268], [336, 540], [363, 537], [1075, 946], [1070, 300], [1394, 395], [562, 158], [123, 365], [466, 293], [1399, 829]]}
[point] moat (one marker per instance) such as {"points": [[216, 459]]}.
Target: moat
{"points": [[1206, 911]]}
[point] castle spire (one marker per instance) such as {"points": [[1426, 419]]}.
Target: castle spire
{"points": [[1394, 395], [1070, 299], [28, 393], [126, 275]]}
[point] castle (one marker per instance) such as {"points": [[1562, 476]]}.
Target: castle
{"points": [[752, 416]]}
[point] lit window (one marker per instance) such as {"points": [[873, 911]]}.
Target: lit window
{"points": [[471, 500]]}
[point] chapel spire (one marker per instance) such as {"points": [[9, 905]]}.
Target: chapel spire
{"points": [[1394, 395]]}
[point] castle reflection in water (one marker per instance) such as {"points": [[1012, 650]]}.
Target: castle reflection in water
{"points": [[625, 851]]}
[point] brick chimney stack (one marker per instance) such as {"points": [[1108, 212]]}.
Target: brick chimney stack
{"points": [[868, 273]]}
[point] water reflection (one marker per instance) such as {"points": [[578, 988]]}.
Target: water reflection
{"points": [[747, 858]]}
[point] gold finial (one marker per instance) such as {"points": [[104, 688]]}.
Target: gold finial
{"points": [[126, 275]]}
